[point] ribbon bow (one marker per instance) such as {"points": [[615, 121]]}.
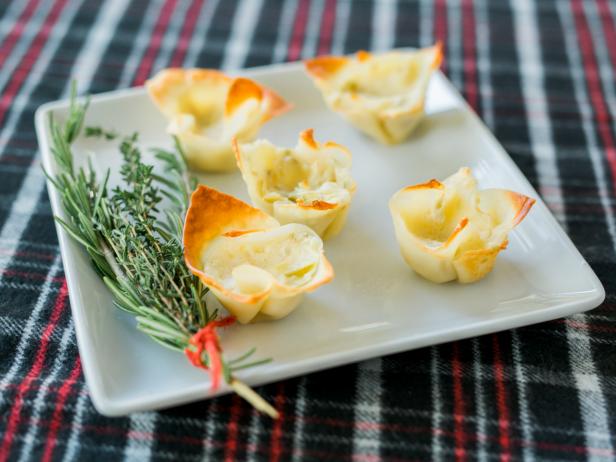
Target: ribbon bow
{"points": [[207, 339]]}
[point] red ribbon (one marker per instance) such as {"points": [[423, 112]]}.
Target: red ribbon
{"points": [[207, 339]]}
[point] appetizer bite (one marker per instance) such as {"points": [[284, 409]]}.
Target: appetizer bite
{"points": [[258, 269], [207, 108], [382, 95], [310, 184], [451, 230]]}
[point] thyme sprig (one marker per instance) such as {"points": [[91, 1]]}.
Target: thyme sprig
{"points": [[135, 247]]}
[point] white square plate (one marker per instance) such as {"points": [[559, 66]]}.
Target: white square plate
{"points": [[376, 305]]}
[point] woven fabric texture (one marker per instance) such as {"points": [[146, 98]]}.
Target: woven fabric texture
{"points": [[541, 74]]}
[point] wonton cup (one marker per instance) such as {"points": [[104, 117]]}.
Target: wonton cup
{"points": [[206, 109], [310, 184], [258, 269], [383, 95], [451, 230]]}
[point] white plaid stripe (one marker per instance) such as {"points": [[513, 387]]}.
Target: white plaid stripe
{"points": [[521, 383], [76, 427], [23, 286], [341, 27], [483, 61], [437, 405], [300, 412], [383, 24], [21, 211], [455, 54], [210, 429], [242, 31], [98, 40], [170, 37], [17, 263], [140, 44], [368, 391], [11, 327], [201, 30], [590, 392], [539, 126], [285, 30], [254, 434], [426, 24], [10, 241], [138, 443], [313, 24], [480, 410]]}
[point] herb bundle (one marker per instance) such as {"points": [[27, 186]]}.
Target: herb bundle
{"points": [[137, 253]]}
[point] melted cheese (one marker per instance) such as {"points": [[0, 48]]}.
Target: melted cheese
{"points": [[290, 254], [310, 184], [382, 95], [256, 268], [207, 109], [451, 230]]}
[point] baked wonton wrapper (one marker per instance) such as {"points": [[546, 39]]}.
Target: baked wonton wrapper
{"points": [[206, 109], [383, 95], [257, 268], [451, 230], [310, 184]]}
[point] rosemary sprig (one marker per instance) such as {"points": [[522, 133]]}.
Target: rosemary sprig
{"points": [[137, 253]]}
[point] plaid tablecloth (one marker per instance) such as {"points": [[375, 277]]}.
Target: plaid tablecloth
{"points": [[542, 76]]}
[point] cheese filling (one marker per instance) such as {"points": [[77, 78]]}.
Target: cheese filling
{"points": [[454, 214], [296, 177], [382, 77], [389, 81], [290, 254]]}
